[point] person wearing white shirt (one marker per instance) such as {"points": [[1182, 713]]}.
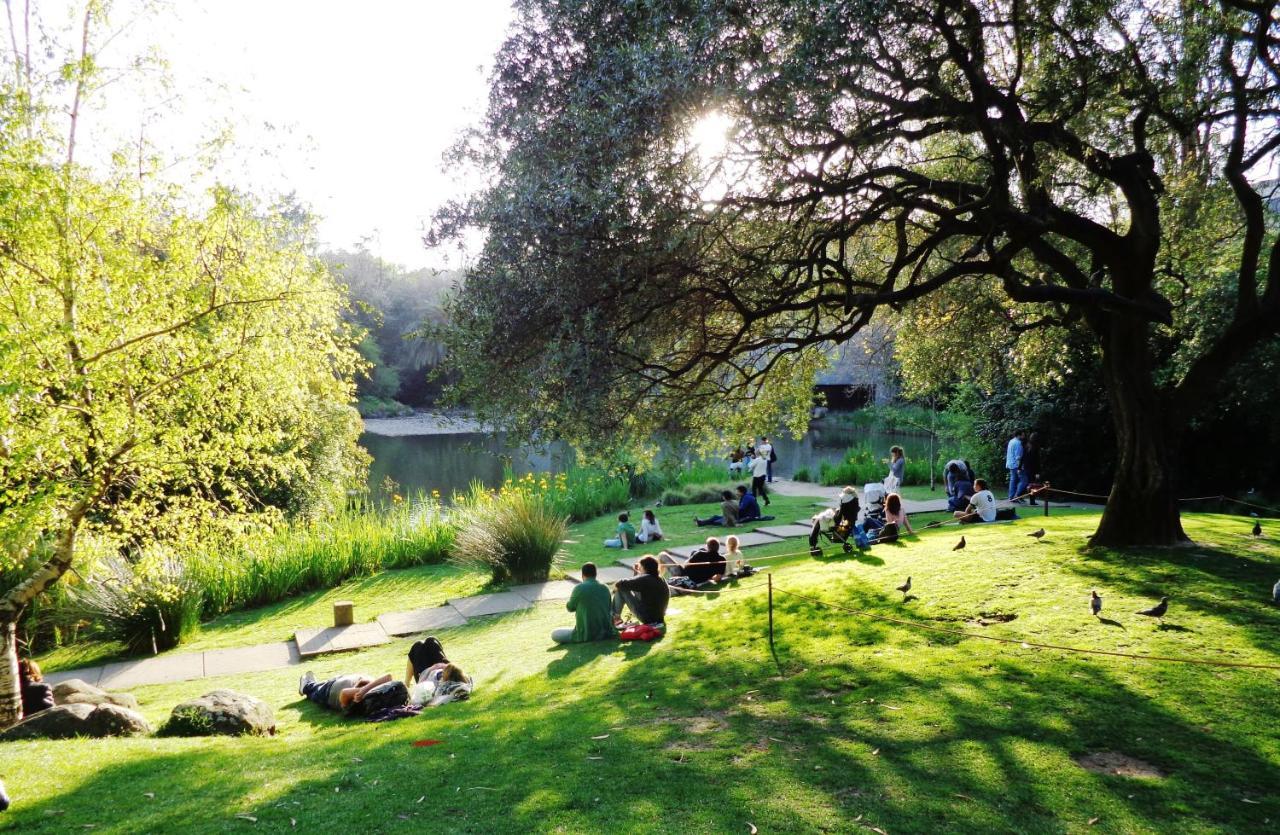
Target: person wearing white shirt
{"points": [[766, 449], [982, 505], [759, 473], [650, 530]]}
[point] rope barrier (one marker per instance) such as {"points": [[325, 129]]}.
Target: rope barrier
{"points": [[1079, 650]]}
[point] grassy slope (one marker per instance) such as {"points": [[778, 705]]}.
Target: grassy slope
{"points": [[864, 724]]}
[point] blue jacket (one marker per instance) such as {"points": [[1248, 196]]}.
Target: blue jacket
{"points": [[748, 508]]}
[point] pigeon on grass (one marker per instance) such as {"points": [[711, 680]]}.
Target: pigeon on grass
{"points": [[959, 545], [904, 588], [1095, 603], [1157, 611]]}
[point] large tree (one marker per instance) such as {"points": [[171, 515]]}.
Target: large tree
{"points": [[161, 363], [1057, 152]]}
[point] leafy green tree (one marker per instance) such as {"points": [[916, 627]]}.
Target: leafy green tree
{"points": [[159, 364], [1069, 156]]}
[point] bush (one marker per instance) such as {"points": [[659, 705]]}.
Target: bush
{"points": [[149, 606], [861, 465], [696, 494], [802, 474], [515, 535]]}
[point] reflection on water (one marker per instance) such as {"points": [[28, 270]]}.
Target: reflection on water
{"points": [[450, 463]]}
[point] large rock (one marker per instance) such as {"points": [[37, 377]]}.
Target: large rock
{"points": [[67, 721], [75, 691], [221, 712]]}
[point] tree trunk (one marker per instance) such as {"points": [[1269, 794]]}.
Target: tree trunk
{"points": [[10, 688], [1143, 506]]}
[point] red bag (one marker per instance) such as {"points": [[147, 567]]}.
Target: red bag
{"points": [[640, 632]]}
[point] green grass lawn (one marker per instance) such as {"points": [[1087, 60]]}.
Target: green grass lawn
{"points": [[857, 724]]}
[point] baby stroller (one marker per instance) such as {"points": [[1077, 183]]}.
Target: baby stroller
{"points": [[874, 495], [841, 534]]}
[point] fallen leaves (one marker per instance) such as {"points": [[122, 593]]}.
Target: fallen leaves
{"points": [[751, 827], [601, 736], [247, 817], [1092, 821]]}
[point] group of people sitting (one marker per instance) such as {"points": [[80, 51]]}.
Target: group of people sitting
{"points": [[884, 519], [626, 534], [430, 679], [735, 510], [599, 614]]}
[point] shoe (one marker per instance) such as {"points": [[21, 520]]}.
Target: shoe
{"points": [[307, 678]]}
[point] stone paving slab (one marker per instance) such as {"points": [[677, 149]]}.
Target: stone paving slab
{"points": [[785, 531], [606, 574], [221, 662], [89, 675], [551, 590], [164, 669], [420, 620], [339, 638], [490, 604]]}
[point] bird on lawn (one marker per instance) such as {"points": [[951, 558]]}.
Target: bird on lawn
{"points": [[1095, 603], [1157, 611], [1037, 534], [905, 587], [1275, 593], [1257, 529], [959, 545]]}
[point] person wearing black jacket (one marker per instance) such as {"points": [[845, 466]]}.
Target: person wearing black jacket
{"points": [[645, 594], [707, 564], [1031, 464], [36, 694]]}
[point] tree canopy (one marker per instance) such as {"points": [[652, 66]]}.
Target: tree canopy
{"points": [[163, 361], [1085, 164]]}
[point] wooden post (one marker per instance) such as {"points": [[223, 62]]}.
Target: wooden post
{"points": [[344, 613]]}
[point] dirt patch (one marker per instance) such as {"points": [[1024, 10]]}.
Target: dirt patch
{"points": [[988, 618], [705, 725], [1109, 762]]}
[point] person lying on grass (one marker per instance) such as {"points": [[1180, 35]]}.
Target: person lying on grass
{"points": [[339, 693], [645, 594], [433, 679], [590, 603]]}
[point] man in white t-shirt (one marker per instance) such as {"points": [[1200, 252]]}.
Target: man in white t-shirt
{"points": [[982, 505], [766, 449], [759, 473]]}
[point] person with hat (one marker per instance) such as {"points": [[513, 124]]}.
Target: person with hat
{"points": [[842, 519]]}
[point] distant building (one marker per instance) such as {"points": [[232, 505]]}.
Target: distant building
{"points": [[862, 371]]}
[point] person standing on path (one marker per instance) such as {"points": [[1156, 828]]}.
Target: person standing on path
{"points": [[766, 449], [1031, 465], [897, 466], [759, 473], [1013, 463]]}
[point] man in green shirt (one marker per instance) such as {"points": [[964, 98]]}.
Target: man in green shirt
{"points": [[590, 602]]}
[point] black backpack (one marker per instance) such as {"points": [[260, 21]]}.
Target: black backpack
{"points": [[391, 694], [773, 455]]}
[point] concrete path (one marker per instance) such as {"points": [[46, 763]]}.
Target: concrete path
{"points": [[308, 643]]}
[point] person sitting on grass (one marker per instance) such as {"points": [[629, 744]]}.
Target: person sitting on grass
{"points": [[959, 487], [728, 513], [341, 693], [650, 530], [36, 694], [706, 565], [626, 533], [842, 520], [748, 507], [895, 519], [982, 505], [645, 594], [592, 608], [733, 558]]}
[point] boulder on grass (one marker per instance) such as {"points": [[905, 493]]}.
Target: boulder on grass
{"points": [[221, 712], [75, 691], [67, 721]]}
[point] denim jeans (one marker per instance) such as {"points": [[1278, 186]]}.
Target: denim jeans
{"points": [[769, 471], [318, 691], [1017, 483]]}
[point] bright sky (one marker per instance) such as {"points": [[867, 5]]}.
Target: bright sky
{"points": [[351, 105]]}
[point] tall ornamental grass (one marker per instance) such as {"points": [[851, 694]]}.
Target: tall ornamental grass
{"points": [[516, 534], [860, 465], [148, 605], [581, 493], [321, 554]]}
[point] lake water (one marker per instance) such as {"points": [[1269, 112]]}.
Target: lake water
{"points": [[450, 462]]}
